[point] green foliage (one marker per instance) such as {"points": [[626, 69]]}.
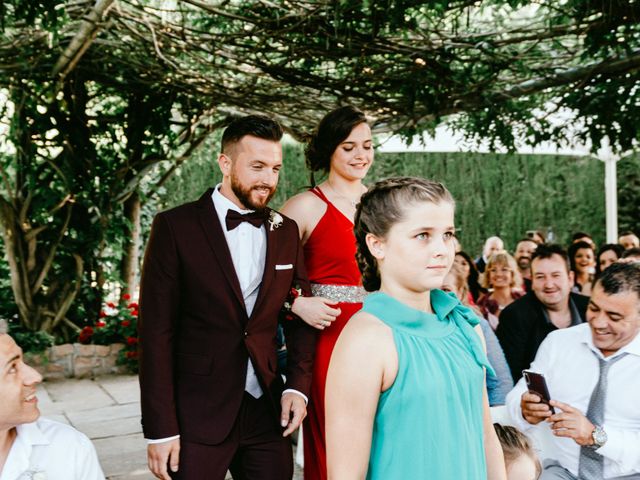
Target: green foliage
{"points": [[154, 78], [192, 177], [506, 195], [30, 342], [496, 194], [629, 194]]}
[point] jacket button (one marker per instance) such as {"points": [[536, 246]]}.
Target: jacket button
{"points": [[246, 334]]}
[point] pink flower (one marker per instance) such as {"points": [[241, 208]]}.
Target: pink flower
{"points": [[131, 341], [103, 314], [100, 324], [125, 323], [111, 305], [126, 296]]}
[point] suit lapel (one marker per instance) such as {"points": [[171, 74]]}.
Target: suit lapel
{"points": [[218, 243], [269, 267]]}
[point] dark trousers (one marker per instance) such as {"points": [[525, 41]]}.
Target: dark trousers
{"points": [[254, 450]]}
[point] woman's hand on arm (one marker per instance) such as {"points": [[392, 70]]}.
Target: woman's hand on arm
{"points": [[363, 353]]}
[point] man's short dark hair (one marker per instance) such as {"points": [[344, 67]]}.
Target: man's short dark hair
{"points": [[548, 250], [627, 232], [256, 125], [578, 235], [631, 252], [528, 239], [621, 277]]}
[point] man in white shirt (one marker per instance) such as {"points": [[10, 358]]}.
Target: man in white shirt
{"points": [[592, 373], [31, 447]]}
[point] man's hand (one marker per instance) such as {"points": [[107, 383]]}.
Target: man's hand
{"points": [[316, 311], [571, 423], [533, 410], [159, 455], [294, 409]]}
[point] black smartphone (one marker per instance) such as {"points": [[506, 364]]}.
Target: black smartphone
{"points": [[538, 385]]}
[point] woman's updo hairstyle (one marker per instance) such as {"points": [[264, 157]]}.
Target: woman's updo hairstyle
{"points": [[384, 205], [333, 129]]}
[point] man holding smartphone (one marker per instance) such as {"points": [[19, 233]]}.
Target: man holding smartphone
{"points": [[592, 372]]}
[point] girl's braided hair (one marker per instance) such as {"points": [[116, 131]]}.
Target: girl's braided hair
{"points": [[384, 205]]}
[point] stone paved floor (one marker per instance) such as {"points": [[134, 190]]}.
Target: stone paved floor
{"points": [[107, 410]]}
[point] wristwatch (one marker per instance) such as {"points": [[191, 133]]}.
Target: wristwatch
{"points": [[599, 437]]}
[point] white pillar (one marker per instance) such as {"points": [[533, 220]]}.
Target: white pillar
{"points": [[610, 189], [611, 196]]}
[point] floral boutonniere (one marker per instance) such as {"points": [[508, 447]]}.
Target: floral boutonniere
{"points": [[275, 220], [33, 475]]}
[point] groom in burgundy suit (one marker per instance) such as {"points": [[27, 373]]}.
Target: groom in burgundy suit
{"points": [[216, 275]]}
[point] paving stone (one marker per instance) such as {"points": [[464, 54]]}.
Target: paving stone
{"points": [[122, 454], [123, 388], [104, 414], [102, 350], [77, 395], [58, 418], [112, 428], [58, 351], [45, 404], [141, 474]]}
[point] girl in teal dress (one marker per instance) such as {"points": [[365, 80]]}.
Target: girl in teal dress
{"points": [[405, 396]]}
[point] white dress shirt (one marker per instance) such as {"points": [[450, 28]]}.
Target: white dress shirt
{"points": [[248, 247], [48, 450], [567, 358]]}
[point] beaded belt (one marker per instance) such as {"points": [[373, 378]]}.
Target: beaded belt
{"points": [[339, 293]]}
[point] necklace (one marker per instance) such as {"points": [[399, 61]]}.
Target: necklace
{"points": [[353, 203]]}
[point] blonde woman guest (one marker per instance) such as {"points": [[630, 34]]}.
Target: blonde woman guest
{"points": [[405, 392], [503, 281], [342, 147]]}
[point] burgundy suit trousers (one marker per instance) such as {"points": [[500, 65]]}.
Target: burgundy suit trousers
{"points": [[254, 450]]}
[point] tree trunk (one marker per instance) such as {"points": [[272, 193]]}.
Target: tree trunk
{"points": [[131, 257]]}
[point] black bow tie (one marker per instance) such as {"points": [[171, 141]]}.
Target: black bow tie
{"points": [[235, 218]]}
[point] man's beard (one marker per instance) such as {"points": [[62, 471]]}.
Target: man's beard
{"points": [[243, 194], [524, 263]]}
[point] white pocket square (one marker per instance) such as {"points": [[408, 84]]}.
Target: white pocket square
{"points": [[288, 266]]}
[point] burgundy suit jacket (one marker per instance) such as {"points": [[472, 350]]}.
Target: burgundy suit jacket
{"points": [[195, 335]]}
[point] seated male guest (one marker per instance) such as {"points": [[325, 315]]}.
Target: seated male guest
{"points": [[592, 373], [31, 447], [549, 305]]}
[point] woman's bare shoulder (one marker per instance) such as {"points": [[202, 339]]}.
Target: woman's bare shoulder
{"points": [[306, 209], [302, 200]]}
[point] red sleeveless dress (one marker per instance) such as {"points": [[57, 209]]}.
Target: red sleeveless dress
{"points": [[330, 259]]}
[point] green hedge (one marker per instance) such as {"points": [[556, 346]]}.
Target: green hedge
{"points": [[496, 194]]}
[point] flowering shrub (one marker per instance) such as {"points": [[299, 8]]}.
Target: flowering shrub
{"points": [[116, 324]]}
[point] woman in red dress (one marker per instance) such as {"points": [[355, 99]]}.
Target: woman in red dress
{"points": [[342, 147]]}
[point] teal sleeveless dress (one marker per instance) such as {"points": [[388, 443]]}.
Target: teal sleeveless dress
{"points": [[429, 424]]}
